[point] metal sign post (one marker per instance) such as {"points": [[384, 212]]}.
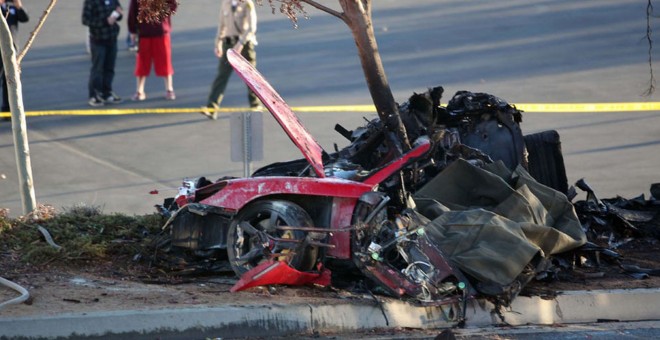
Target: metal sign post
{"points": [[247, 143], [247, 139]]}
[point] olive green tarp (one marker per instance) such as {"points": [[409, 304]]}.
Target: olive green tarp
{"points": [[491, 221]]}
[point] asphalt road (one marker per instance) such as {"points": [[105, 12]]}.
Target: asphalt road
{"points": [[602, 330], [538, 52]]}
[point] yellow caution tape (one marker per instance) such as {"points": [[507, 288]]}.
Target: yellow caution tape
{"points": [[336, 108], [527, 107], [589, 107]]}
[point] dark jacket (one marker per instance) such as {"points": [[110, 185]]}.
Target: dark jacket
{"points": [[144, 29], [95, 16], [15, 15]]}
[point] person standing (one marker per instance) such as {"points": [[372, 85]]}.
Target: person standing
{"points": [[154, 47], [101, 16], [237, 30], [14, 13]]}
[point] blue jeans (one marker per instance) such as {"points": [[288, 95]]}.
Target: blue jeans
{"points": [[104, 55]]}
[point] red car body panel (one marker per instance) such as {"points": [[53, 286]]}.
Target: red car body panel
{"points": [[396, 165], [238, 192], [342, 213], [278, 272]]}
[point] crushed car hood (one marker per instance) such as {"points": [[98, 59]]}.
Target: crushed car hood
{"points": [[288, 120]]}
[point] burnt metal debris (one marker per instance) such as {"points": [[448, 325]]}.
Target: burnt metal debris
{"points": [[617, 223], [366, 211]]}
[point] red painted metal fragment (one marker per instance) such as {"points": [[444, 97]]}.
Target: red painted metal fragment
{"points": [[278, 272]]}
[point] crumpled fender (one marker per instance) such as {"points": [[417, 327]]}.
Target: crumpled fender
{"points": [[236, 193], [279, 272]]}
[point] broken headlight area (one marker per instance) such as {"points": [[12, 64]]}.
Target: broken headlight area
{"points": [[184, 195], [193, 239], [395, 254]]}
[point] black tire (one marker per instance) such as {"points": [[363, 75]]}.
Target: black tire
{"points": [[264, 216], [545, 160]]}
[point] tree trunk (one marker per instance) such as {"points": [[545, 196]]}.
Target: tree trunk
{"points": [[357, 15], [19, 127]]}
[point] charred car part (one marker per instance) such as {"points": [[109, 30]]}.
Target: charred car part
{"points": [[352, 207], [396, 253], [614, 224]]}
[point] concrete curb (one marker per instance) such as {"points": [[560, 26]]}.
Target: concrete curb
{"points": [[586, 306], [282, 320]]}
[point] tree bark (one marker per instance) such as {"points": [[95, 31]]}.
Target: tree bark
{"points": [[19, 127], [357, 15]]}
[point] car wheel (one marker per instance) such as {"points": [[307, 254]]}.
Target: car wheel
{"points": [[253, 236]]}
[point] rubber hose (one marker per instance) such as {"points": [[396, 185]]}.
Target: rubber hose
{"points": [[24, 293]]}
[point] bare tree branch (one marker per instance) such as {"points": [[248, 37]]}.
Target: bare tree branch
{"points": [[36, 30], [324, 8], [649, 12]]}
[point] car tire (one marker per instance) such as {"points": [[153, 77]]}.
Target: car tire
{"points": [[265, 215]]}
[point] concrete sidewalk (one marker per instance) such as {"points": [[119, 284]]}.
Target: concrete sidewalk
{"points": [[237, 321]]}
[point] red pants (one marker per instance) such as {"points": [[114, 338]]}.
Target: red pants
{"points": [[157, 50]]}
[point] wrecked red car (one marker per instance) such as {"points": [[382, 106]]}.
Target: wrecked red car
{"points": [[351, 211]]}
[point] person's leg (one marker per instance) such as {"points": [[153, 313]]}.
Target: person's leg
{"points": [[142, 68], [95, 84], [109, 72], [169, 88], [5, 92], [5, 97], [169, 83], [250, 55], [162, 56], [218, 87], [221, 79], [139, 92]]}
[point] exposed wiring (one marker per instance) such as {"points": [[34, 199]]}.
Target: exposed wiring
{"points": [[24, 293], [49, 239]]}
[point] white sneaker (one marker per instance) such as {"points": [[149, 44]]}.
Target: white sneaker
{"points": [[95, 101]]}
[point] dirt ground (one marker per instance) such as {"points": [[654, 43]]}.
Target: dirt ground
{"points": [[120, 285], [67, 290], [644, 253]]}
